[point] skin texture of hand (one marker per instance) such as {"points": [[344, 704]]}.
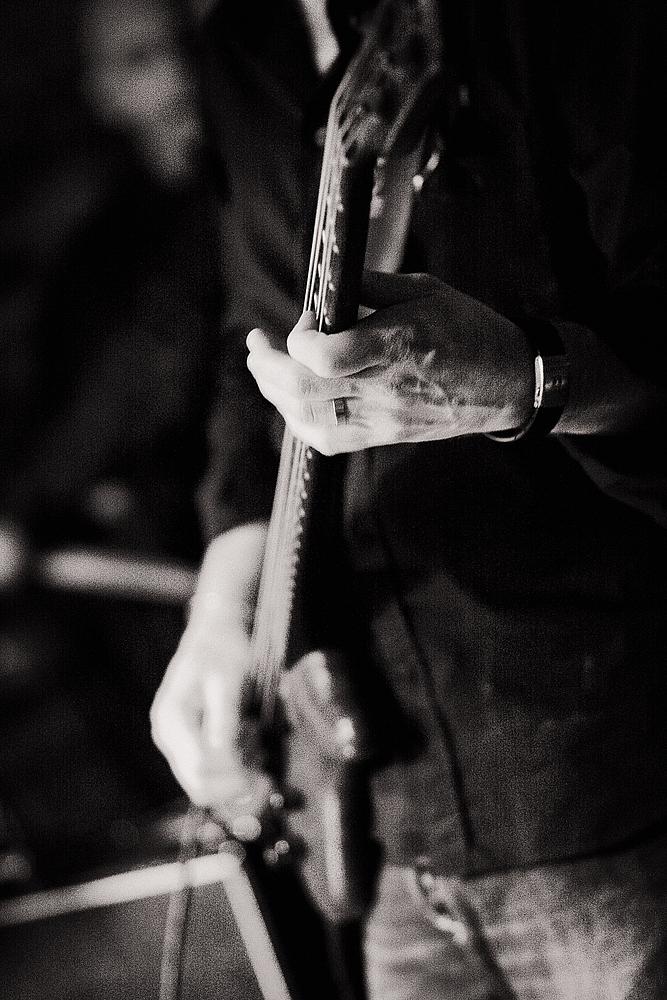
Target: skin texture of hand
{"points": [[428, 363], [196, 718]]}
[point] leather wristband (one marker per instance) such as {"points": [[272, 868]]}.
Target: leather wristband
{"points": [[552, 383]]}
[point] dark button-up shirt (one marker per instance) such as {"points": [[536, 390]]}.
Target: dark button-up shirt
{"points": [[515, 593]]}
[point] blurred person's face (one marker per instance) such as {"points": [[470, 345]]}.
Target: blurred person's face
{"points": [[139, 82]]}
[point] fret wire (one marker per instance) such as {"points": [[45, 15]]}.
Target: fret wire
{"points": [[280, 588], [327, 242], [330, 241], [262, 641], [321, 205], [329, 161], [326, 239], [282, 583], [284, 536], [312, 273], [312, 269], [313, 298], [276, 597]]}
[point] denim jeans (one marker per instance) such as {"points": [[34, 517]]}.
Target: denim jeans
{"points": [[594, 929]]}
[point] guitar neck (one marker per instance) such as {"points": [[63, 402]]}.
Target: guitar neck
{"points": [[307, 485], [375, 110]]}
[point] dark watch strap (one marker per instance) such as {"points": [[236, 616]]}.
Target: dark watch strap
{"points": [[552, 382]]}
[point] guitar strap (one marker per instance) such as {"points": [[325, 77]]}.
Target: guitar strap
{"points": [[391, 210]]}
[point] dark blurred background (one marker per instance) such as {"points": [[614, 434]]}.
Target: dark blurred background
{"points": [[108, 308]]}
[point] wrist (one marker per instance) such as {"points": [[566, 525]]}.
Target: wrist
{"points": [[550, 384]]}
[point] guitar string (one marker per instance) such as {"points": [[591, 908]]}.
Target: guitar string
{"points": [[263, 642], [321, 207], [259, 632], [280, 589], [320, 266], [298, 485], [282, 551], [324, 245]]}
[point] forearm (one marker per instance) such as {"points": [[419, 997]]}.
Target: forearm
{"points": [[229, 575], [195, 716]]}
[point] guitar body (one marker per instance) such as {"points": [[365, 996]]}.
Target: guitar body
{"points": [[328, 752]]}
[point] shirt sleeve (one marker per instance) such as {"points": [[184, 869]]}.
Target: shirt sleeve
{"points": [[257, 107], [630, 468], [618, 160], [243, 438]]}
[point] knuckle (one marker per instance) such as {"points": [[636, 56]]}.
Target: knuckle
{"points": [[427, 281], [317, 358], [307, 412], [322, 439], [157, 733], [158, 723], [324, 365], [253, 339], [426, 286], [326, 445], [303, 386]]}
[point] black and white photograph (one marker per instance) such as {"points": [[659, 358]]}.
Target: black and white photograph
{"points": [[333, 500]]}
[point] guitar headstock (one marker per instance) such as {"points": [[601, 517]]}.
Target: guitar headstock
{"points": [[381, 102], [379, 109]]}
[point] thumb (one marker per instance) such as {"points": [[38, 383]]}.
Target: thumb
{"points": [[380, 289]]}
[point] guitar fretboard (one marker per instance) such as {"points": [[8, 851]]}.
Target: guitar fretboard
{"points": [[373, 108]]}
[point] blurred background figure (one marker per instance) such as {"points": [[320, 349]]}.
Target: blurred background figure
{"points": [[140, 82], [108, 313]]}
